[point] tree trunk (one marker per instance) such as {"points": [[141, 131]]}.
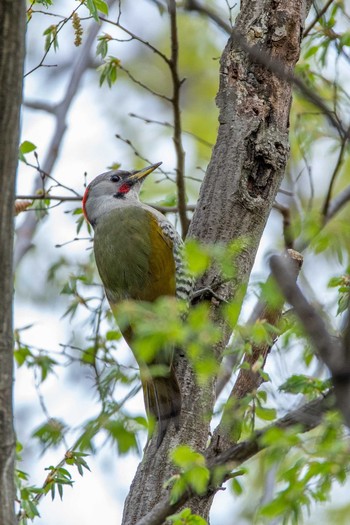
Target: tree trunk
{"points": [[242, 179], [12, 33]]}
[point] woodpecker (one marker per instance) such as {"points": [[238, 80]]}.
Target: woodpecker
{"points": [[138, 254]]}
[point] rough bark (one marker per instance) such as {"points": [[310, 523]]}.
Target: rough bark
{"points": [[12, 31], [236, 197]]}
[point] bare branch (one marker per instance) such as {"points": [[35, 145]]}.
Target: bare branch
{"points": [[180, 154], [137, 38], [311, 321], [249, 377], [337, 203], [46, 195], [333, 352], [287, 233], [336, 170], [169, 125], [193, 5], [317, 17], [26, 231], [78, 198], [41, 105], [144, 86]]}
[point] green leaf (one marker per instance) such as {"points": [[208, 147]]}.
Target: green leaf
{"points": [[185, 517], [273, 508], [236, 487], [51, 433], [303, 384], [21, 355], [108, 71], [102, 47], [178, 488], [198, 478], [267, 414], [197, 257], [102, 6], [113, 335], [91, 5], [311, 51], [27, 147], [24, 148], [183, 456], [51, 37]]}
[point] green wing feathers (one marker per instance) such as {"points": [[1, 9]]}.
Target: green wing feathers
{"points": [[135, 259]]}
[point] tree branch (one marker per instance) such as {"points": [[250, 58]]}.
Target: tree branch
{"points": [[317, 18], [308, 417], [177, 138], [26, 231], [193, 5], [12, 36], [337, 203], [336, 170], [78, 198], [249, 378], [331, 350]]}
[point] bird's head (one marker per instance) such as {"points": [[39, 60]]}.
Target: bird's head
{"points": [[109, 189]]}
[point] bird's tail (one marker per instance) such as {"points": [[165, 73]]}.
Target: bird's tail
{"points": [[163, 401]]}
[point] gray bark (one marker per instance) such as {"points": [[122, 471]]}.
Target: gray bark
{"points": [[236, 197], [12, 32]]}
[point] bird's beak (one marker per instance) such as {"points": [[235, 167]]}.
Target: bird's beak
{"points": [[140, 175]]}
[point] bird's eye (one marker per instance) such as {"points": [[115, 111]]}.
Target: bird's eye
{"points": [[115, 178]]}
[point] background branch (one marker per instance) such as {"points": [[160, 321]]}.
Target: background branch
{"points": [[26, 231], [177, 137], [250, 378], [331, 350], [317, 17], [194, 5]]}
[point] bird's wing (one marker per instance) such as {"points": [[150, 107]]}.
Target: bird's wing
{"points": [[184, 280], [161, 279]]}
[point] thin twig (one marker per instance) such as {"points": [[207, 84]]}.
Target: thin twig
{"points": [[144, 86], [193, 5], [169, 125], [43, 196], [78, 198], [59, 26], [287, 232], [333, 177], [180, 154], [332, 350], [317, 18], [337, 203], [137, 38], [26, 231], [250, 377]]}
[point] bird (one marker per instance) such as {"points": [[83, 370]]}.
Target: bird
{"points": [[139, 256]]}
